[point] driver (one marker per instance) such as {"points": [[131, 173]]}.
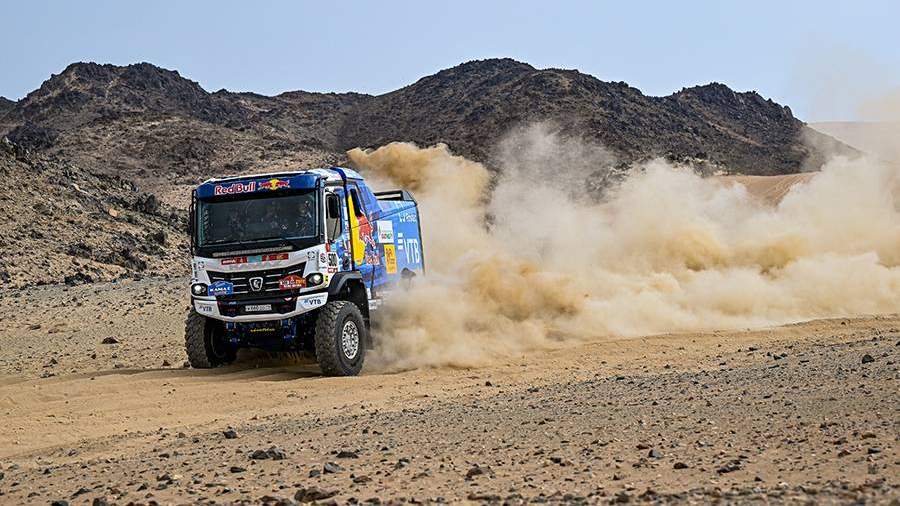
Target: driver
{"points": [[305, 223], [270, 221]]}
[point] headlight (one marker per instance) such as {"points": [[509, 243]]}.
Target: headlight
{"points": [[198, 289], [314, 279]]}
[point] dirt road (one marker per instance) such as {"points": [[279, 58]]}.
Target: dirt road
{"points": [[802, 412]]}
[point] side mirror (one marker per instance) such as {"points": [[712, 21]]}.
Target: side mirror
{"points": [[333, 215], [333, 206]]}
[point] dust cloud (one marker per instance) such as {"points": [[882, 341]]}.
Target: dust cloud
{"points": [[528, 261]]}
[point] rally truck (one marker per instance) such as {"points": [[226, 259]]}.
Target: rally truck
{"points": [[296, 262]]}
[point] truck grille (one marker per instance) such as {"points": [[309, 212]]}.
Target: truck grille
{"points": [[270, 277]]}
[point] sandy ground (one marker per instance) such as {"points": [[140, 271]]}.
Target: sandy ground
{"points": [[806, 412], [769, 189]]}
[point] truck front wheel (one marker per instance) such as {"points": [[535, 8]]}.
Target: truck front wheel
{"points": [[205, 343], [340, 339]]}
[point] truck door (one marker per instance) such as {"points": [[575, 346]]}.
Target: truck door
{"points": [[337, 231], [362, 233]]}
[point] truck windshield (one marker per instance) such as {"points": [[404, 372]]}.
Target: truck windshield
{"points": [[291, 216]]}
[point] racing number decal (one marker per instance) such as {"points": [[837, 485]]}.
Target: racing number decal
{"points": [[390, 259]]}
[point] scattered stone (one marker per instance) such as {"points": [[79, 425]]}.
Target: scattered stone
{"points": [[273, 453], [680, 465], [477, 470], [655, 454], [237, 469], [313, 494], [348, 454], [730, 467], [332, 468], [110, 340], [868, 359], [80, 491], [230, 433]]}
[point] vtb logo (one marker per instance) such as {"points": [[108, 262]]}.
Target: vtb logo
{"points": [[256, 284]]}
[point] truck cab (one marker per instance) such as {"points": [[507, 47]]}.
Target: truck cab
{"points": [[296, 262]]}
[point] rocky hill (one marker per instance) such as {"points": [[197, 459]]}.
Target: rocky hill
{"points": [[156, 127], [5, 105], [470, 105], [151, 124], [71, 226]]}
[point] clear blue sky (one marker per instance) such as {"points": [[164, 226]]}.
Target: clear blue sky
{"points": [[819, 57]]}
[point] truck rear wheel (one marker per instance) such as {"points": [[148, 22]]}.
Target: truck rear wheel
{"points": [[205, 343], [340, 339]]}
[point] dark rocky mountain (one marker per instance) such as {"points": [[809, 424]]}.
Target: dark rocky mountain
{"points": [[155, 126], [149, 123], [470, 105]]}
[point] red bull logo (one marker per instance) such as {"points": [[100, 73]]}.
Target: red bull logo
{"points": [[274, 184], [235, 188]]}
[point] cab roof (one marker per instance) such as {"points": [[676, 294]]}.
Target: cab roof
{"points": [[330, 174], [262, 183]]}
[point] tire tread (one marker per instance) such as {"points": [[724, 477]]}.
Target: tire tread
{"points": [[327, 350], [195, 341]]}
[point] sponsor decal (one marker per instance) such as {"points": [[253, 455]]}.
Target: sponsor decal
{"points": [[234, 260], [311, 302], [332, 260], [385, 231], [223, 254], [291, 282], [205, 308], [254, 259], [323, 259], [274, 184], [390, 259], [408, 218], [221, 288], [413, 256], [399, 241], [256, 284], [310, 256], [235, 188]]}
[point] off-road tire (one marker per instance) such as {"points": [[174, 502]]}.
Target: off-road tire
{"points": [[202, 351], [330, 350]]}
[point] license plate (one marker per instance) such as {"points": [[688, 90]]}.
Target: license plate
{"points": [[256, 308]]}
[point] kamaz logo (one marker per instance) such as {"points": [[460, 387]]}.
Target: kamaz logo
{"points": [[256, 284]]}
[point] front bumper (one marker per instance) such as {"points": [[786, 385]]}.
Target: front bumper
{"points": [[210, 307]]}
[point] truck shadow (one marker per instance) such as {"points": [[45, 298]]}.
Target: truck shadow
{"points": [[237, 372]]}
